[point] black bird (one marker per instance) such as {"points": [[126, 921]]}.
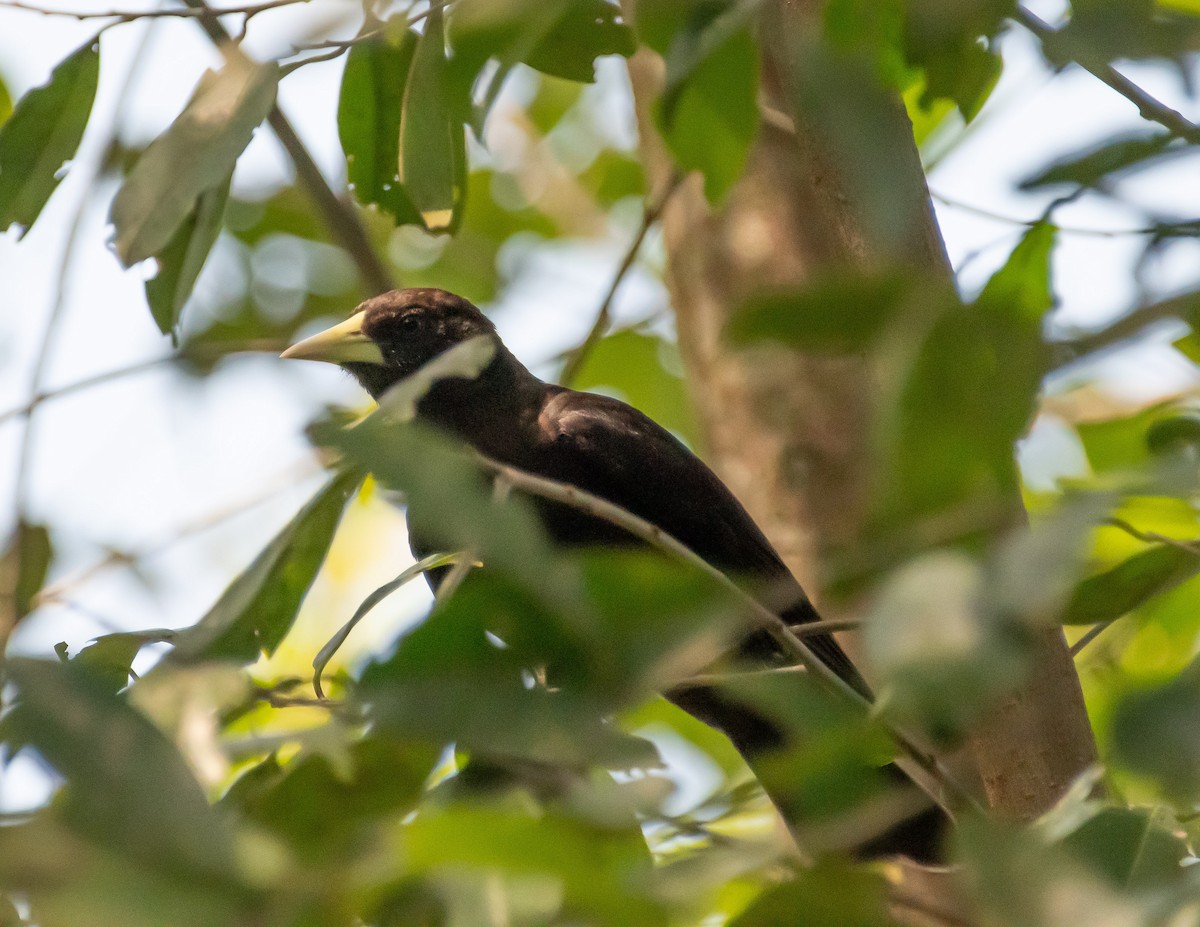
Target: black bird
{"points": [[607, 448]]}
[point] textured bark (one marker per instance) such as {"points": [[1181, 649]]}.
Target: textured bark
{"points": [[787, 431]]}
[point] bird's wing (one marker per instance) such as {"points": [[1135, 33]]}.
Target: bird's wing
{"points": [[614, 451]]}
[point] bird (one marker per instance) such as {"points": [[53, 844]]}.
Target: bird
{"points": [[609, 449]]}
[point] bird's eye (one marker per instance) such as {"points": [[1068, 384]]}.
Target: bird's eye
{"points": [[409, 324]]}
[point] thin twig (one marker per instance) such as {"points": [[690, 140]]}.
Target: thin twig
{"points": [[128, 16], [1029, 223], [762, 617], [1153, 537], [1150, 108], [1091, 635], [321, 660], [650, 216], [339, 215]]}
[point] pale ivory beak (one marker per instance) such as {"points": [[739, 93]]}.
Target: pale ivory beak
{"points": [[343, 344]]}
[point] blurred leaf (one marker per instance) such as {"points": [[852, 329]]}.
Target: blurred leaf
{"points": [[322, 810], [941, 653], [1117, 444], [195, 154], [708, 113], [604, 873], [68, 881], [1154, 733], [1090, 168], [369, 114], [1134, 848], [465, 360], [632, 363], [433, 157], [5, 111], [558, 37], [23, 568], [1119, 590], [555, 98], [838, 313], [43, 133], [448, 682], [285, 211], [128, 788], [943, 39], [110, 658], [832, 894], [183, 257], [257, 610], [613, 176]]}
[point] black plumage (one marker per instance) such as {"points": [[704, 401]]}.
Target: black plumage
{"points": [[598, 444]]}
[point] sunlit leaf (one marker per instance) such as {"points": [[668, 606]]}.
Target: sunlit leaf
{"points": [[194, 155], [257, 610], [43, 133], [369, 110], [433, 158], [183, 257], [1123, 588]]}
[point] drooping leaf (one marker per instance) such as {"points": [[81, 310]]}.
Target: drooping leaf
{"points": [[129, 788], [195, 154], [43, 133], [23, 568], [369, 113], [255, 613], [708, 114], [433, 158], [183, 257]]}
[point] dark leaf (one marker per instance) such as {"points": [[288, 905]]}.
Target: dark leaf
{"points": [[1134, 848], [43, 133], [946, 41], [433, 157], [832, 894], [110, 658], [1130, 583], [257, 610], [23, 569], [183, 257], [1154, 733], [128, 787], [1096, 165], [369, 110], [195, 154]]}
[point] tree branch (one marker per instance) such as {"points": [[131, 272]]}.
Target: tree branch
{"points": [[650, 216], [1068, 351], [1059, 46], [128, 16]]}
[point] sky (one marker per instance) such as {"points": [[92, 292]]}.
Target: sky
{"points": [[145, 462]]}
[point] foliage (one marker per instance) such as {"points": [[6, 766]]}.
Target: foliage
{"points": [[509, 759]]}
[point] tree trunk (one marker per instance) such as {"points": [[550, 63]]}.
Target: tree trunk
{"points": [[788, 432]]}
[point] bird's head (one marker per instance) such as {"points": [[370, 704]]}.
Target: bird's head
{"points": [[391, 336]]}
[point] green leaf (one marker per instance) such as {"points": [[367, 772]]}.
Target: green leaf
{"points": [[110, 658], [183, 257], [129, 788], [944, 40], [1123, 588], [562, 38], [23, 568], [643, 369], [832, 894], [257, 610], [1154, 733], [369, 112], [43, 133], [1090, 168], [433, 157], [1134, 848], [708, 114], [195, 154]]}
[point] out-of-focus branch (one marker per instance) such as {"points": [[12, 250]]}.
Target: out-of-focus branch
{"points": [[1150, 108], [128, 16], [650, 216], [339, 214]]}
